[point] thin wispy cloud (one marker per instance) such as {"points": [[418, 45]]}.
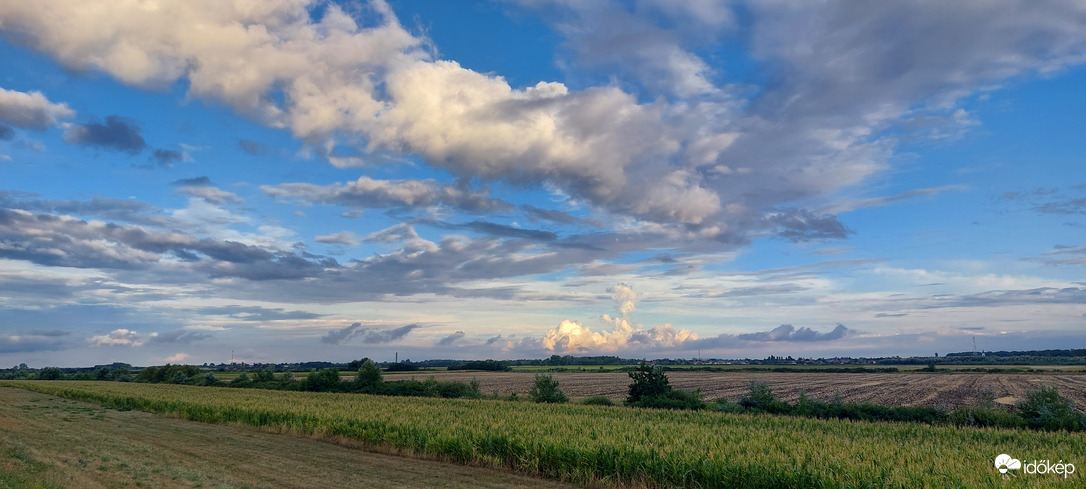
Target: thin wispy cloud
{"points": [[367, 335]]}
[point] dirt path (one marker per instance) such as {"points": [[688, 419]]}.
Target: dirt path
{"points": [[47, 441]]}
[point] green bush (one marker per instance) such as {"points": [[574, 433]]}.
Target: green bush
{"points": [[760, 398], [265, 375], [209, 379], [648, 381], [475, 390], [726, 406], [986, 417], [546, 389], [242, 380], [323, 380], [451, 390], [651, 389], [806, 407], [429, 388], [1044, 409], [673, 399], [597, 401]]}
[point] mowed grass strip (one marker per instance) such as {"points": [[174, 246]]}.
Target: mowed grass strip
{"points": [[618, 446], [49, 442]]}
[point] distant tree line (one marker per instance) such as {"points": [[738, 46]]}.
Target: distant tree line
{"points": [[1080, 353], [368, 379], [570, 360], [487, 365], [117, 371]]}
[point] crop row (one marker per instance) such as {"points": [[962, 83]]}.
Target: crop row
{"points": [[615, 446]]}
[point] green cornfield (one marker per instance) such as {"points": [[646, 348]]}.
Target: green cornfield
{"points": [[615, 446]]}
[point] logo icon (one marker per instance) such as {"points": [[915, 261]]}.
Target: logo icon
{"points": [[1004, 463]]}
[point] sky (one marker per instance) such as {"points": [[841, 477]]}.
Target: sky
{"points": [[312, 180]]}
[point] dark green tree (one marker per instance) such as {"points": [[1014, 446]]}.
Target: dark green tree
{"points": [[148, 374], [265, 375], [50, 373], [356, 364], [122, 374], [103, 373], [368, 378], [546, 389], [760, 397], [648, 381], [323, 380]]}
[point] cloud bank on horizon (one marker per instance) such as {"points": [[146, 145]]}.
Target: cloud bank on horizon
{"points": [[893, 177]]}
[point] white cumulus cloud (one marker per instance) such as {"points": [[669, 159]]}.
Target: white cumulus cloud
{"points": [[118, 337], [30, 110], [573, 337]]}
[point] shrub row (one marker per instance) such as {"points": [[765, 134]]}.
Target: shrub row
{"points": [[368, 380], [1043, 409]]}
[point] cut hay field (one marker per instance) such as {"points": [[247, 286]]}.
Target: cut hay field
{"points": [[52, 442], [939, 390], [615, 446]]}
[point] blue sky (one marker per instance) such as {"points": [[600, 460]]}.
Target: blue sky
{"points": [[295, 180]]}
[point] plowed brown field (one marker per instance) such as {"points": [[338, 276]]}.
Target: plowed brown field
{"points": [[941, 390]]}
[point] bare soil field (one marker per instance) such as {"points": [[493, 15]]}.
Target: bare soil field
{"points": [[50, 442], [940, 389]]}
